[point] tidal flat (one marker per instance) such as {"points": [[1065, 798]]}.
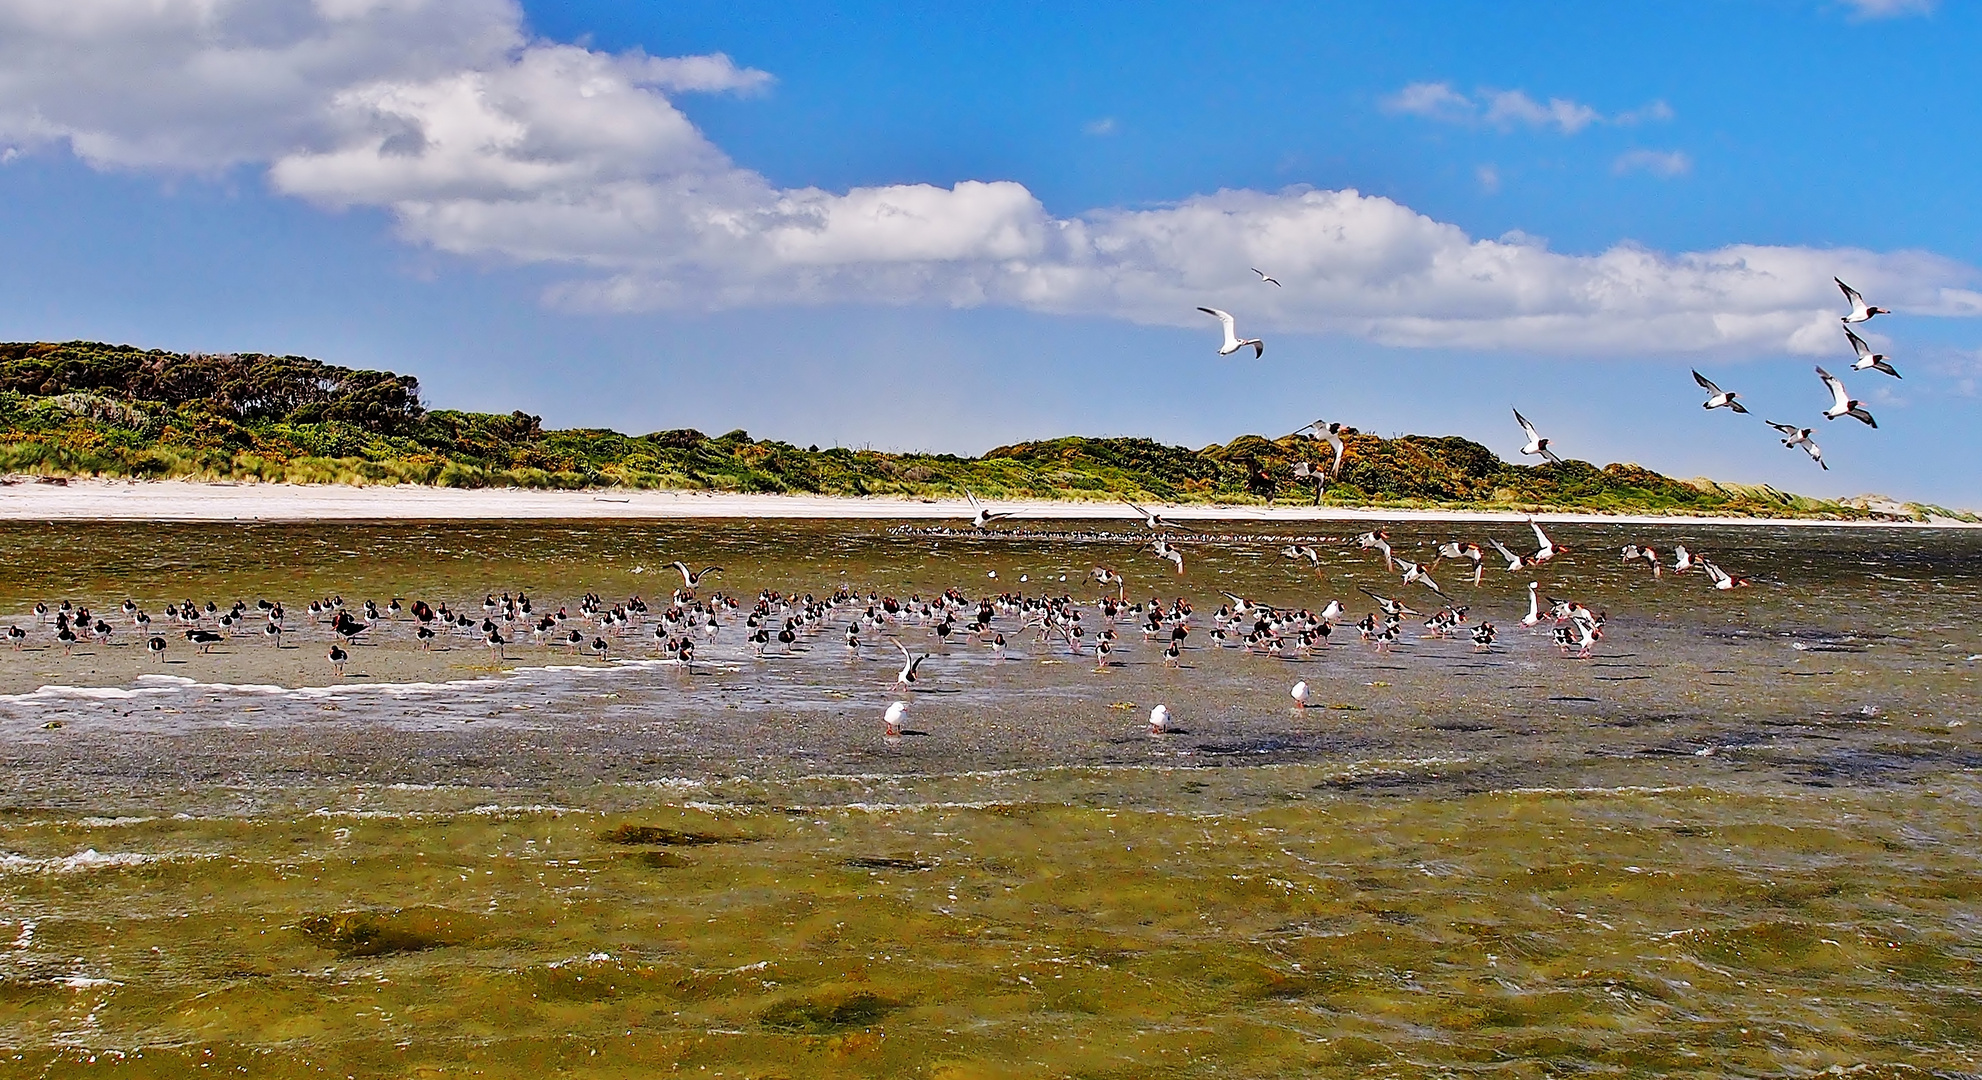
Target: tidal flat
{"points": [[1740, 839]]}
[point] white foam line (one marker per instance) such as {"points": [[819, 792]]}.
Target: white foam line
{"points": [[88, 859]]}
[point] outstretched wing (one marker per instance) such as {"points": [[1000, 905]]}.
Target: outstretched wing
{"points": [[1850, 294], [1786, 429], [1836, 386], [1708, 384], [1533, 435], [1858, 344], [1223, 317]]}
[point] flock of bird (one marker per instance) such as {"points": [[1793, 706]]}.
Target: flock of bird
{"points": [[1793, 436], [916, 629]]}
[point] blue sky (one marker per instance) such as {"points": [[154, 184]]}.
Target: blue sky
{"points": [[949, 228]]}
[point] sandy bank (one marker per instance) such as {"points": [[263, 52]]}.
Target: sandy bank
{"points": [[180, 500]]}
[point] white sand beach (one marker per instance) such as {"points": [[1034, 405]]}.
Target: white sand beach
{"points": [[25, 499]]}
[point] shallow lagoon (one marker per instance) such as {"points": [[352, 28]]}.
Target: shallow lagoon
{"points": [[1740, 840]]}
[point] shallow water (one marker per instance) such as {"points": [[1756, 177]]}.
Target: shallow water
{"points": [[1739, 840]]}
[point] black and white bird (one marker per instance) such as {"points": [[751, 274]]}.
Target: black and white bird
{"points": [[1162, 550], [1263, 276], [1331, 433], [338, 658], [1721, 578], [1859, 311], [983, 517], [1548, 549], [1841, 402], [1718, 398], [690, 580], [906, 676], [1795, 436], [1514, 562], [1233, 343], [1453, 549], [1867, 359], [1153, 520], [156, 646], [1536, 445], [205, 639]]}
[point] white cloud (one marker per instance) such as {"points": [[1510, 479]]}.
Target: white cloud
{"points": [[1889, 9], [1438, 101], [1506, 108], [1103, 126], [1509, 109], [482, 142], [1489, 177], [1667, 163]]}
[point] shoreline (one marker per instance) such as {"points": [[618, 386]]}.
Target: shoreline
{"points": [[93, 499]]}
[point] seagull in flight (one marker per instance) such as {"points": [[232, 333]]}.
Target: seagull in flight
{"points": [[1514, 562], [690, 580], [1867, 359], [1859, 312], [1718, 398], [1800, 437], [984, 517], [1233, 343], [1536, 444], [1263, 276], [1154, 520], [1330, 433], [1841, 403]]}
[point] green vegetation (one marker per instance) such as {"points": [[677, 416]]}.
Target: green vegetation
{"points": [[84, 408]]}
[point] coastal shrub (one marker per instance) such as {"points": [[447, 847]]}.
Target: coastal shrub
{"points": [[86, 408]]}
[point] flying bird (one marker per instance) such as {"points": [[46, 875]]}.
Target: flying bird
{"points": [[1549, 549], [1800, 437], [1841, 402], [984, 517], [1867, 359], [1154, 520], [1331, 433], [1233, 343], [690, 580], [1721, 578], [1164, 551], [1514, 562], [1263, 276], [1536, 444], [1718, 398], [1859, 312]]}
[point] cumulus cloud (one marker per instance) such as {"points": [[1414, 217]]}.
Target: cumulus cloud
{"points": [[484, 142], [1509, 109], [1667, 163]]}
